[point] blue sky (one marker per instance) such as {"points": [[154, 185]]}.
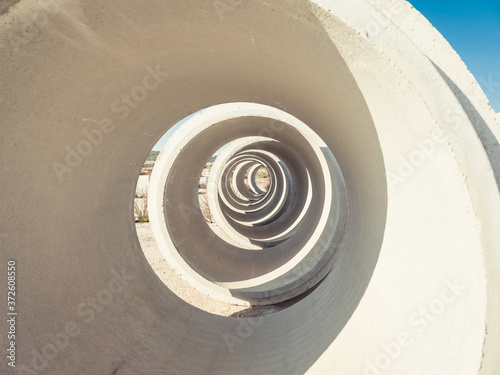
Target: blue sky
{"points": [[472, 27], [473, 30], [159, 145]]}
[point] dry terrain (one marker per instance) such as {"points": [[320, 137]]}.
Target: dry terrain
{"points": [[180, 287]]}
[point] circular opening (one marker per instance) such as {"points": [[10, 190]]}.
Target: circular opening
{"points": [[241, 177], [262, 179]]}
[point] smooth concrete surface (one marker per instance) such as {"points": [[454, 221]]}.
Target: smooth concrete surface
{"points": [[87, 89]]}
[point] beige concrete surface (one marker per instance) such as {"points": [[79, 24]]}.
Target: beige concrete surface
{"points": [[87, 89]]}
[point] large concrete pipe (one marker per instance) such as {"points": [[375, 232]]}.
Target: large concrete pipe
{"points": [[405, 277]]}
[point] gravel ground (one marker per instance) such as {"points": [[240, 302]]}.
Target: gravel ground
{"points": [[180, 287]]}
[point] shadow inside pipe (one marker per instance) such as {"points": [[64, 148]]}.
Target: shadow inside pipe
{"points": [[488, 139], [6, 5], [256, 311], [317, 87], [314, 319]]}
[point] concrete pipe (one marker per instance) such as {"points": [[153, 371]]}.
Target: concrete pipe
{"points": [[392, 263], [230, 273], [295, 207]]}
